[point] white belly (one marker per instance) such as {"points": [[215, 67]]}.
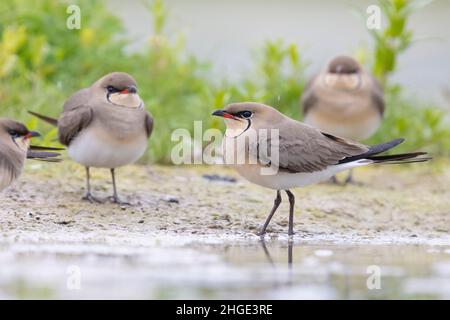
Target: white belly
{"points": [[284, 180], [91, 150]]}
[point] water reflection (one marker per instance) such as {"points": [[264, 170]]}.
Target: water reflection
{"points": [[230, 270], [346, 272]]}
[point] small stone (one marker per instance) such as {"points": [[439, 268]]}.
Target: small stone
{"points": [[216, 177], [171, 199], [64, 222], [226, 217]]}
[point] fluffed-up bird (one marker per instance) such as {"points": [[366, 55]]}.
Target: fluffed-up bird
{"points": [[344, 100], [299, 154], [104, 126], [15, 148]]}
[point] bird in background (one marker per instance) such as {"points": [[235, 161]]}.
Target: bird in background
{"points": [[104, 126], [344, 100], [15, 148], [306, 155]]}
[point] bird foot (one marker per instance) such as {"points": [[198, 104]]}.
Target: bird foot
{"points": [[334, 180], [261, 233], [117, 200], [351, 181], [89, 197]]}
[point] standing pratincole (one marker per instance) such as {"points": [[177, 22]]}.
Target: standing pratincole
{"points": [[344, 100], [104, 126], [304, 155]]}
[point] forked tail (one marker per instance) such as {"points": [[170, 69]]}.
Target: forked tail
{"points": [[52, 121], [373, 152]]}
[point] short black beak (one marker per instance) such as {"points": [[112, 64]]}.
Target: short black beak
{"points": [[34, 134], [218, 113], [132, 89]]}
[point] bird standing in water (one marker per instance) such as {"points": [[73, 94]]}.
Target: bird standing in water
{"points": [[304, 154]]}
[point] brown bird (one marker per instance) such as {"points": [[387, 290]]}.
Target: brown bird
{"points": [[15, 148], [344, 100], [300, 154], [104, 126]]}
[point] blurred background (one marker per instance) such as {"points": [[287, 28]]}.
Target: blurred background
{"points": [[190, 57]]}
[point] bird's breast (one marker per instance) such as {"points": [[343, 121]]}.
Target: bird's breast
{"points": [[99, 147], [349, 114]]}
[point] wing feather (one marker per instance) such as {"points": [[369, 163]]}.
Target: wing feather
{"points": [[305, 149], [377, 95], [148, 124], [309, 98], [72, 121]]}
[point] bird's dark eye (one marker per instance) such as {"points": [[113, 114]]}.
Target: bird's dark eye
{"points": [[111, 89], [246, 114], [13, 133]]}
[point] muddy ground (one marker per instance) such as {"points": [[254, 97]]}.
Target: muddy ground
{"points": [[190, 236], [391, 203]]}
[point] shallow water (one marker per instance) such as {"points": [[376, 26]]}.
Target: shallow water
{"points": [[204, 248], [175, 268]]}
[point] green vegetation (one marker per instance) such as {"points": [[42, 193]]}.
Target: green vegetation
{"points": [[422, 124], [42, 63]]}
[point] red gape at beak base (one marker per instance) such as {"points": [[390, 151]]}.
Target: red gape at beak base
{"points": [[31, 134], [125, 91], [228, 116]]}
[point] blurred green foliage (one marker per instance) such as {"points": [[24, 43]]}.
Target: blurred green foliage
{"points": [[42, 63], [422, 124], [278, 81], [395, 37]]}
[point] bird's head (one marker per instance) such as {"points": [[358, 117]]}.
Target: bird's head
{"points": [[120, 89], [17, 133], [343, 72], [239, 117]]}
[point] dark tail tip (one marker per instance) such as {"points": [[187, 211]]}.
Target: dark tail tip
{"points": [[52, 121], [401, 158], [44, 156]]}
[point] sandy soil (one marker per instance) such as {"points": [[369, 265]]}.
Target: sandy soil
{"points": [[393, 204]]}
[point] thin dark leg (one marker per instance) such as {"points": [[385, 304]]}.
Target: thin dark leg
{"points": [[88, 181], [276, 204], [115, 197], [334, 180], [113, 176], [349, 177], [88, 196], [291, 212]]}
